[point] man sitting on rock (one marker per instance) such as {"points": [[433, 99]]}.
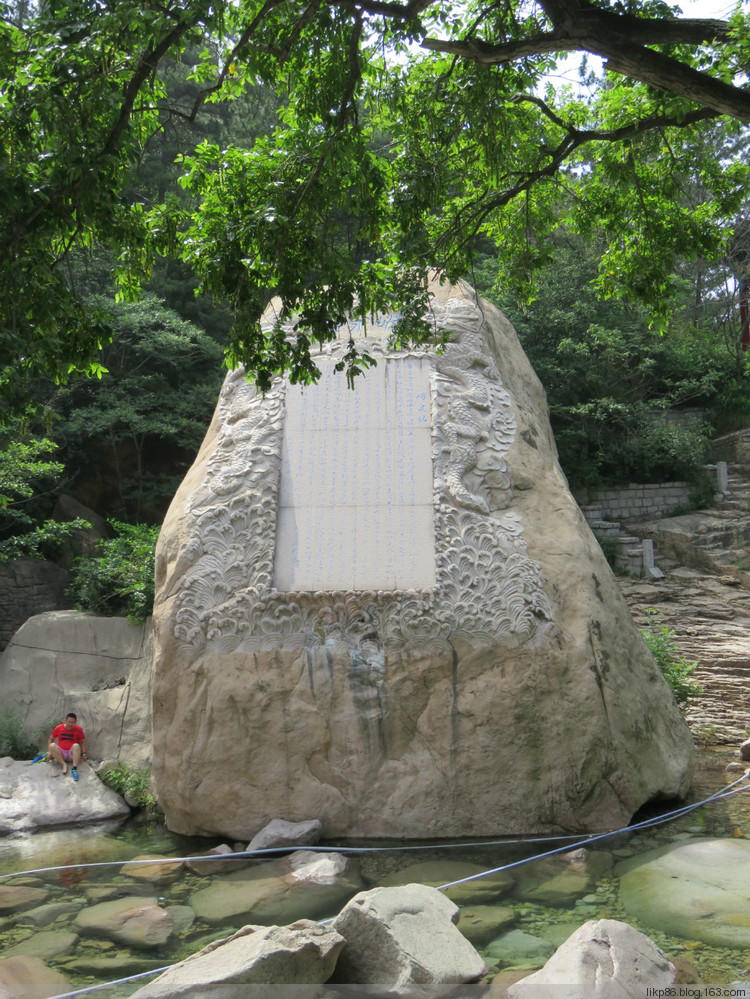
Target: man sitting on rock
{"points": [[70, 746]]}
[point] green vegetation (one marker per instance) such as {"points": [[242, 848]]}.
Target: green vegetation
{"points": [[675, 669], [403, 134], [118, 579], [14, 739], [130, 780]]}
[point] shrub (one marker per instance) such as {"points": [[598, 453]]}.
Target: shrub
{"points": [[14, 739], [126, 779], [674, 668], [118, 579], [611, 546]]}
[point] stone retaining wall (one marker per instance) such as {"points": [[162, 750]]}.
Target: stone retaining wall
{"points": [[634, 501]]}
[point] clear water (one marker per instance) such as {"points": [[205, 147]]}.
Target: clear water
{"points": [[98, 855]]}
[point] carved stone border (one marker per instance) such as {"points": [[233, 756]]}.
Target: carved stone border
{"points": [[488, 590]]}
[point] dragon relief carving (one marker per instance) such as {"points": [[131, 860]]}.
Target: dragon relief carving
{"points": [[488, 589]]}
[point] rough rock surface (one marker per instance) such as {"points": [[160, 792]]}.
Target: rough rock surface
{"points": [[38, 796], [29, 586], [404, 936], [98, 667], [299, 954], [603, 959], [422, 711], [280, 833], [695, 889]]}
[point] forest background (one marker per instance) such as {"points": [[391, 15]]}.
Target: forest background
{"points": [[619, 259]]}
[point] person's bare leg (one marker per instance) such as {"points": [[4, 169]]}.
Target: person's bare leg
{"points": [[76, 754], [54, 752]]}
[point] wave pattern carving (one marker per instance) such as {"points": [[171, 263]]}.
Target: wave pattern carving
{"points": [[489, 592]]}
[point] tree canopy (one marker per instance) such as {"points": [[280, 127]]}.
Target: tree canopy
{"points": [[405, 130]]}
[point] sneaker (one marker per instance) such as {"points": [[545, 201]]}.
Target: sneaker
{"points": [[39, 757], [74, 773]]}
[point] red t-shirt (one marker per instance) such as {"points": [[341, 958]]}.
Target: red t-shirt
{"points": [[68, 737]]}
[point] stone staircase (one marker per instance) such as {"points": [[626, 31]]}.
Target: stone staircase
{"points": [[704, 597]]}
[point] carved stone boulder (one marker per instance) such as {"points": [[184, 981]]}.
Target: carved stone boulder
{"points": [[383, 608]]}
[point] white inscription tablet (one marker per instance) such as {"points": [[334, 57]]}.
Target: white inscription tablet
{"points": [[356, 494]]}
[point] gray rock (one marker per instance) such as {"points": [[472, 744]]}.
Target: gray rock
{"points": [[517, 947], [603, 959], [378, 707], [39, 797], [404, 936], [134, 921], [482, 923], [299, 954], [46, 914], [745, 750], [67, 661], [183, 916], [16, 898], [162, 870], [280, 833], [696, 889], [216, 866], [562, 879], [436, 873], [304, 884], [46, 945]]}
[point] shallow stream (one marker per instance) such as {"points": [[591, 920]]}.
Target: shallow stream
{"points": [[515, 918]]}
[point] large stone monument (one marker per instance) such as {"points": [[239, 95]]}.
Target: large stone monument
{"points": [[382, 608]]}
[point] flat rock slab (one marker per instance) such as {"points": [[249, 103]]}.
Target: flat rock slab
{"points": [[517, 947], [404, 936], [301, 954], [435, 874], [133, 921], [561, 879], [696, 889], [38, 796], [46, 945], [482, 923], [16, 898], [303, 885]]}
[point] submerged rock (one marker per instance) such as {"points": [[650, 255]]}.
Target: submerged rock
{"points": [[16, 898], [696, 889], [482, 923], [302, 885], [562, 879], [25, 977], [436, 873], [133, 921], [395, 593], [45, 946], [517, 947]]}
